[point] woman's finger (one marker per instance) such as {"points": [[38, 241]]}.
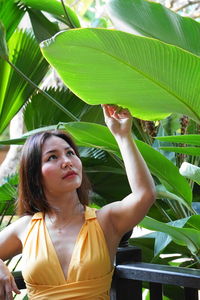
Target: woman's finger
{"points": [[108, 110], [8, 290], [14, 286], [2, 292]]}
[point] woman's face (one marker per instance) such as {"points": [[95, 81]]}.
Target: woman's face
{"points": [[61, 167]]}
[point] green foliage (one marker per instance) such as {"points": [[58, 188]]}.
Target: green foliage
{"points": [[146, 65], [156, 21], [25, 54], [188, 237], [10, 16], [85, 135], [42, 27], [65, 15], [3, 46], [153, 76], [8, 194], [35, 118]]}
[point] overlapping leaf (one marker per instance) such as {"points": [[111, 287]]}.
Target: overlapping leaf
{"points": [[35, 118], [191, 139], [155, 20], [55, 8], [182, 236], [10, 16], [195, 151], [43, 29], [149, 77], [14, 91], [85, 134]]}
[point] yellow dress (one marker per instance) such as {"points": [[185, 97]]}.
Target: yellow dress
{"points": [[90, 270]]}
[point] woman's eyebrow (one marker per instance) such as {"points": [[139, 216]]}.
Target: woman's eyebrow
{"points": [[56, 150]]}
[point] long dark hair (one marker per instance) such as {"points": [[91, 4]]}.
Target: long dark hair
{"points": [[31, 194]]}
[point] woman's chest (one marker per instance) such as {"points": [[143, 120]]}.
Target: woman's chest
{"points": [[63, 243], [76, 254]]}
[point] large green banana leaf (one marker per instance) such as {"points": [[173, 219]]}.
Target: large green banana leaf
{"points": [[151, 78], [85, 134], [10, 16], [55, 8], [184, 150], [95, 135], [163, 239], [163, 193], [156, 21], [190, 139], [14, 91], [182, 236]]}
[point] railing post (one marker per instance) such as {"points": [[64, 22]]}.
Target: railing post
{"points": [[124, 288], [191, 293], [155, 291]]}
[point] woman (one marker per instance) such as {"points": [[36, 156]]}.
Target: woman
{"points": [[68, 249]]}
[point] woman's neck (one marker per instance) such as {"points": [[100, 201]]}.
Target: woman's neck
{"points": [[63, 207]]}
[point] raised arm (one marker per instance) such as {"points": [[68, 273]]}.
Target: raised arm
{"points": [[127, 213]]}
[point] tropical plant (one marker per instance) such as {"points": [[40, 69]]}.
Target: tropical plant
{"points": [[154, 76]]}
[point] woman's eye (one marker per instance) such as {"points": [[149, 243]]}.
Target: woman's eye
{"points": [[70, 152], [52, 157]]}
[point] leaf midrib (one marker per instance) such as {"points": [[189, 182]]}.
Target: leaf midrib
{"points": [[142, 73], [181, 232]]}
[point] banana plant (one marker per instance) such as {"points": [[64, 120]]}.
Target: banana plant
{"points": [[85, 136], [116, 53], [137, 72], [24, 53], [156, 21], [58, 10], [131, 65], [191, 139], [10, 16]]}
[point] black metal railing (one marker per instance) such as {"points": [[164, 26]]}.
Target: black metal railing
{"points": [[130, 273]]}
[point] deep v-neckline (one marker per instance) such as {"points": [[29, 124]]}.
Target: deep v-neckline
{"points": [[67, 276]]}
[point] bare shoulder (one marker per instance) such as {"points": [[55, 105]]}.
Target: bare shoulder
{"points": [[21, 225], [11, 237], [18, 227]]}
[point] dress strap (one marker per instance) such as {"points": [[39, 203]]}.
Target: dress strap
{"points": [[90, 213], [37, 216]]}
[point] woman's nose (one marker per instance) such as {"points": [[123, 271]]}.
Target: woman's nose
{"points": [[66, 162]]}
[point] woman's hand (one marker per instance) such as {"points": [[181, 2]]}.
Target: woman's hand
{"points": [[117, 119], [7, 283]]}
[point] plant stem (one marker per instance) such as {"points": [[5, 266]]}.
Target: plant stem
{"points": [[71, 25], [47, 96], [117, 159], [162, 211]]}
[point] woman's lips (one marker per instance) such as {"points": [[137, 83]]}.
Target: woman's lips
{"points": [[69, 175]]}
